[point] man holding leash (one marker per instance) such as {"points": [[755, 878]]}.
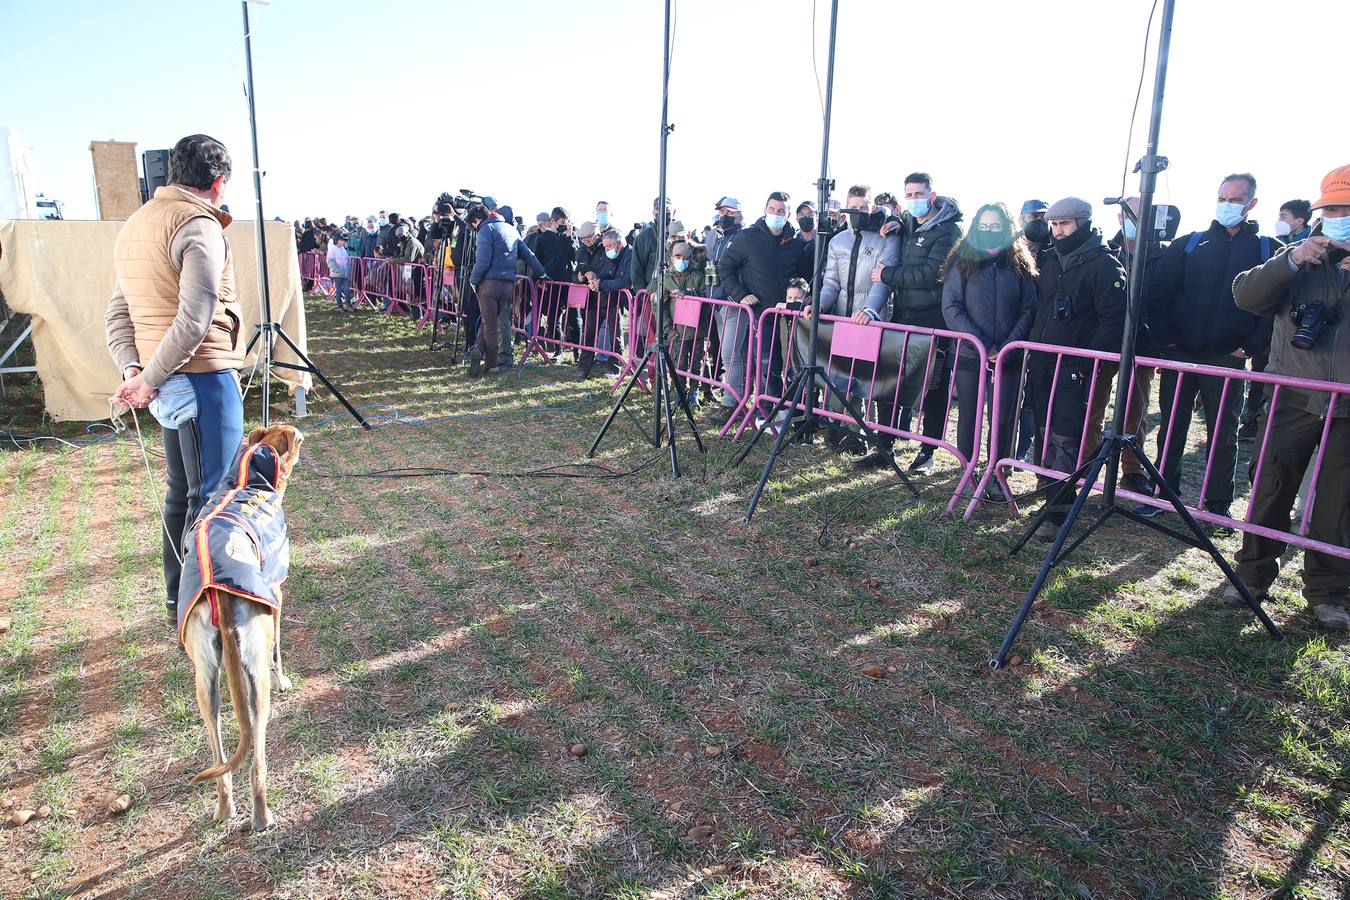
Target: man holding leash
{"points": [[173, 328]]}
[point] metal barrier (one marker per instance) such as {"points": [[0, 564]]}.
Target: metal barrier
{"points": [[859, 359], [314, 269], [578, 319], [1233, 380]]}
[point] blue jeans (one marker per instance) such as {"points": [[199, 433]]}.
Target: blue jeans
{"points": [[344, 299], [203, 419]]}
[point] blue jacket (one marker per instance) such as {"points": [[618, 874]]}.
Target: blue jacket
{"points": [[616, 274], [497, 248]]}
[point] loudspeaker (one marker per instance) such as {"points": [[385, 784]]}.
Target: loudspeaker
{"points": [[155, 164]]}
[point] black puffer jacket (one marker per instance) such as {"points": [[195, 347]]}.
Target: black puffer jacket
{"points": [[995, 305], [761, 263], [1092, 282], [1191, 294], [917, 280]]}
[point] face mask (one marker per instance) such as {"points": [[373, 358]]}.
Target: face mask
{"points": [[1337, 228], [1036, 231], [681, 264], [725, 222], [807, 223], [612, 254], [775, 222], [1282, 228], [1131, 230], [384, 222], [1228, 214], [918, 208], [370, 229], [602, 218], [989, 241]]}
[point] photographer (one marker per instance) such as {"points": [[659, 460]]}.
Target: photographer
{"points": [[497, 248], [1305, 287]]}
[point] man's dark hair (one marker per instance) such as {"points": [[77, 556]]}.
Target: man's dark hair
{"points": [[780, 196], [802, 285], [885, 197], [1299, 209], [860, 190], [476, 213], [197, 161], [1243, 176], [559, 213], [394, 219], [922, 178]]}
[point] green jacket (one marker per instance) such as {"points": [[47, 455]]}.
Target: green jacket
{"points": [[1274, 288], [692, 282]]}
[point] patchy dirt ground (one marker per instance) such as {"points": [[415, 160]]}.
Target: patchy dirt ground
{"points": [[610, 687]]}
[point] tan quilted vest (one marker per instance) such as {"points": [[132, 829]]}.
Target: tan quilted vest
{"points": [[149, 281]]}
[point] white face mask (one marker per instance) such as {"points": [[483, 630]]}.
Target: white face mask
{"points": [[1229, 214], [1282, 228]]}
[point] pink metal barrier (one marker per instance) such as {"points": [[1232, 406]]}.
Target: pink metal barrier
{"points": [[1233, 380], [570, 316], [314, 269], [859, 359]]}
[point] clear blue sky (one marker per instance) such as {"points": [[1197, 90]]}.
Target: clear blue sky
{"points": [[384, 103]]}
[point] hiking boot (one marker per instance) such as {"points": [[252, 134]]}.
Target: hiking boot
{"points": [[1138, 483], [922, 463], [879, 458], [1148, 511], [475, 362], [1232, 598], [1217, 529], [1332, 617], [1048, 530], [850, 443]]}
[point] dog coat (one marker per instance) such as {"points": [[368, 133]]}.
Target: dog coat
{"points": [[239, 544]]}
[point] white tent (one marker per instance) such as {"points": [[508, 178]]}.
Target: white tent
{"points": [[16, 178]]}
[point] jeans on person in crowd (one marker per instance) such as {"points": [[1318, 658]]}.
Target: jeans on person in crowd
{"points": [[340, 293], [1293, 439], [600, 328], [1220, 423], [202, 415], [495, 296], [969, 371], [733, 327]]}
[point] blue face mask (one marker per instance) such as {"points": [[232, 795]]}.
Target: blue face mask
{"points": [[775, 222], [1131, 230], [681, 264], [602, 218], [1228, 214], [1336, 227], [612, 254], [918, 208]]}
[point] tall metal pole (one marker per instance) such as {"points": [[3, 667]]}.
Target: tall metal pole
{"points": [[265, 350], [662, 258], [1149, 167], [823, 188]]}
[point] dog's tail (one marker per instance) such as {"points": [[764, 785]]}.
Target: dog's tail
{"points": [[239, 693]]}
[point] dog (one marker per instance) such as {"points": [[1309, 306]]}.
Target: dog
{"points": [[237, 555]]}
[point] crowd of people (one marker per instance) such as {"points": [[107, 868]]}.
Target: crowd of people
{"points": [[1228, 296]]}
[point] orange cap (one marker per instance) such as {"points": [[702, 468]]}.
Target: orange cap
{"points": [[1335, 189]]}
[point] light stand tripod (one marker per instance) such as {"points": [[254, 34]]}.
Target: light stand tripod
{"points": [[442, 254], [801, 390], [665, 381], [268, 331], [1116, 442]]}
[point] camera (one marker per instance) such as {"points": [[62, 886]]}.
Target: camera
{"points": [[864, 220], [1310, 321]]}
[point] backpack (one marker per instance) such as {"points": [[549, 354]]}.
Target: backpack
{"points": [[1194, 241]]}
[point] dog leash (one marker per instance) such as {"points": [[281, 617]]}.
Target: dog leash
{"points": [[115, 417]]}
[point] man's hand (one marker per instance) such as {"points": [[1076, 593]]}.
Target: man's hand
{"points": [[134, 392], [1239, 353], [890, 226], [862, 318], [1312, 251], [876, 274], [750, 300]]}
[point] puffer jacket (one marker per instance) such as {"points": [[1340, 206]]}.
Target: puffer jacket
{"points": [[917, 277], [497, 247], [850, 257], [995, 305], [1273, 289], [761, 263], [614, 274], [1093, 283]]}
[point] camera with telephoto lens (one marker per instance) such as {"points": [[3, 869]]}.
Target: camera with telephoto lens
{"points": [[1310, 321], [864, 220]]}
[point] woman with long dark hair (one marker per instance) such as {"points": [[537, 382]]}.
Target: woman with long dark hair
{"points": [[989, 291]]}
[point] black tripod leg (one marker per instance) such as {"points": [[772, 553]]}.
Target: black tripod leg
{"points": [[663, 386], [684, 397], [1058, 490], [1203, 539], [768, 421], [799, 386], [868, 433], [1048, 563], [315, 370], [618, 405]]}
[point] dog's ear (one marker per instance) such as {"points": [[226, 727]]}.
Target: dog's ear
{"points": [[255, 436], [295, 439]]}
